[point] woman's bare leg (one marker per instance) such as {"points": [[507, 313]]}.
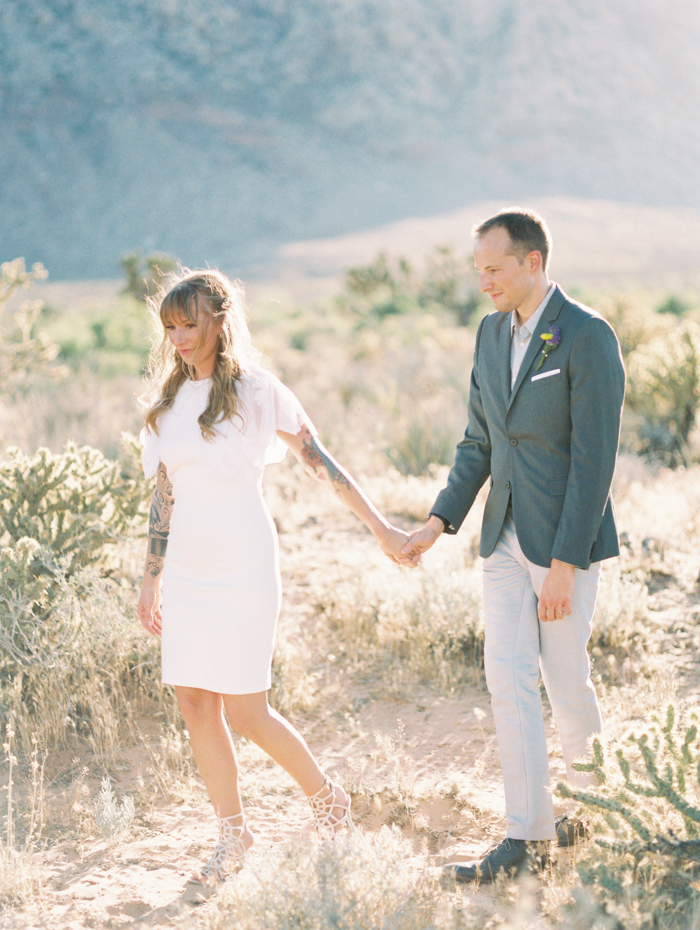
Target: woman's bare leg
{"points": [[212, 747], [252, 717]]}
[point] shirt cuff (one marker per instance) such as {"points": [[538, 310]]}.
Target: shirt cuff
{"points": [[448, 526]]}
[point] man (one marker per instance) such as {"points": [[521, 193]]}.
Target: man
{"points": [[545, 403]]}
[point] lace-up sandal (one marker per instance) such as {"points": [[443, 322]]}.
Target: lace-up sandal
{"points": [[229, 850], [330, 806]]}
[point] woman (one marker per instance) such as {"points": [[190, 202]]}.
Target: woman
{"points": [[214, 421]]}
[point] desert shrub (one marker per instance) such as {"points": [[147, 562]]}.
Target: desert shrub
{"points": [[397, 390], [358, 881], [62, 516], [620, 621], [20, 878], [77, 503], [144, 275], [646, 822], [386, 288], [40, 610], [25, 351], [426, 625], [634, 322], [113, 818], [75, 663], [664, 392], [674, 305], [104, 341]]}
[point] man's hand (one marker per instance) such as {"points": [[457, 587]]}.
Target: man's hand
{"points": [[392, 541], [420, 541], [557, 591]]}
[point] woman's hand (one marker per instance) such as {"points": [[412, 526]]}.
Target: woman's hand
{"points": [[421, 540], [148, 607], [392, 540]]}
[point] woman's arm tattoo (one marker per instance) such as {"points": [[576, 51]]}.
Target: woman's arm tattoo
{"points": [[159, 522], [315, 459]]}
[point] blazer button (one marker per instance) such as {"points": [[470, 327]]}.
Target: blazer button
{"points": [[508, 485], [514, 442]]}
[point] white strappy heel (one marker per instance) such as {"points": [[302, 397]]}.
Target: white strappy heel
{"points": [[325, 805], [229, 850]]}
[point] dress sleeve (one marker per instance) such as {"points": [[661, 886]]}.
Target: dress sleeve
{"points": [[270, 406], [150, 455]]}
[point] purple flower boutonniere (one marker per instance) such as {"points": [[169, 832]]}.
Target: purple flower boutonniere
{"points": [[552, 338]]}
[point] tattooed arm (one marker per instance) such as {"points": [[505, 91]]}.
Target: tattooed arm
{"points": [[321, 465], [158, 530]]}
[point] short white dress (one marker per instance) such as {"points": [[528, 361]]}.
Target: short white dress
{"points": [[221, 578]]}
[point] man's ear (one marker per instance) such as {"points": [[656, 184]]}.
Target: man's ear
{"points": [[534, 260]]}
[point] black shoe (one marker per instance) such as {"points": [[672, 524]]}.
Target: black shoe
{"points": [[509, 858], [570, 831]]}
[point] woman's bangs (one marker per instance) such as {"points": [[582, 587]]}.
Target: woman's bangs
{"points": [[179, 304]]}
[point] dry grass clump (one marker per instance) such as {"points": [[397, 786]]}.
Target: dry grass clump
{"points": [[622, 622], [352, 883], [95, 700], [425, 625], [20, 876]]}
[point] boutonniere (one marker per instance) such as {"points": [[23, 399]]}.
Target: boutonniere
{"points": [[551, 338]]}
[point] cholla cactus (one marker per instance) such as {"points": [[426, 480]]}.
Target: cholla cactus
{"points": [[647, 798], [76, 503]]}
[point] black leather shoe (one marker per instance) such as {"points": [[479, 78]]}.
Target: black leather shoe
{"points": [[570, 831], [509, 858]]}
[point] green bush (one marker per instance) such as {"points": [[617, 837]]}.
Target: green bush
{"points": [[144, 276], [105, 341], [382, 289], [664, 392]]}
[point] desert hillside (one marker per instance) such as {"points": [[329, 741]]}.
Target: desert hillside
{"points": [[219, 131]]}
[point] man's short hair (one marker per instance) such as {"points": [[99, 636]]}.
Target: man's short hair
{"points": [[527, 230]]}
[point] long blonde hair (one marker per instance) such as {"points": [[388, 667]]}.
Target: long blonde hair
{"points": [[203, 297]]}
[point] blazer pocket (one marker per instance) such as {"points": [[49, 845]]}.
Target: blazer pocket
{"points": [[557, 486], [553, 375]]}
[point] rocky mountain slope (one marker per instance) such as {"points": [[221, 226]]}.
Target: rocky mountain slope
{"points": [[217, 130]]}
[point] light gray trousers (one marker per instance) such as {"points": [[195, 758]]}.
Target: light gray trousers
{"points": [[518, 648]]}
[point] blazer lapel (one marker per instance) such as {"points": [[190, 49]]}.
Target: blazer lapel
{"points": [[549, 314], [504, 357]]}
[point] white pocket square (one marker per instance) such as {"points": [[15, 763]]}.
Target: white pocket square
{"points": [[546, 374]]}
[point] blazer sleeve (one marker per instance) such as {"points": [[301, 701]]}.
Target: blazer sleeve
{"points": [[472, 465], [597, 394]]}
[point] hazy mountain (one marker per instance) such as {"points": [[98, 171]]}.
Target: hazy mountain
{"points": [[218, 129]]}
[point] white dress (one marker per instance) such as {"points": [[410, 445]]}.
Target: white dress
{"points": [[221, 579]]}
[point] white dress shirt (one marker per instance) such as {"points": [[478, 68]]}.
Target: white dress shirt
{"points": [[520, 336]]}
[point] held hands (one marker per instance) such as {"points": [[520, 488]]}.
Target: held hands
{"points": [[557, 591], [421, 540], [392, 541], [148, 607]]}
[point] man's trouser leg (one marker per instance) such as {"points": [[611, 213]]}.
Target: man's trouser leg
{"points": [[514, 640]]}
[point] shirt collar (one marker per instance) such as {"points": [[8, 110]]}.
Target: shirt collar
{"points": [[531, 324]]}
